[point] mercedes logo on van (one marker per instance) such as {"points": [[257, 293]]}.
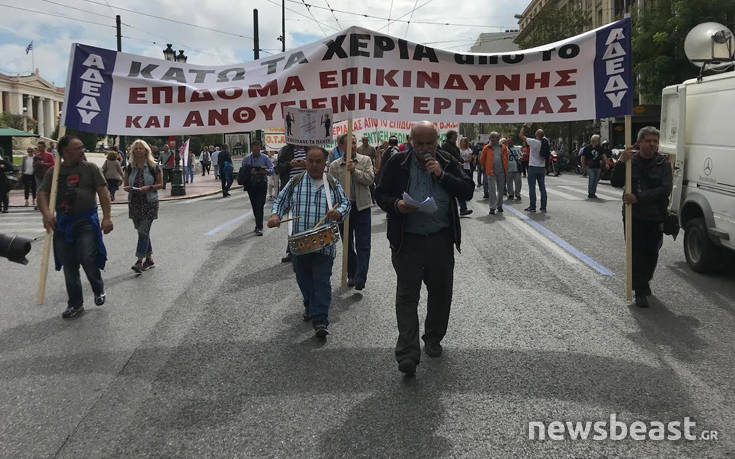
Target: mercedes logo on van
{"points": [[708, 166]]}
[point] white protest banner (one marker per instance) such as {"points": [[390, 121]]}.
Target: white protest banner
{"points": [[185, 153], [308, 126], [355, 73], [274, 139]]}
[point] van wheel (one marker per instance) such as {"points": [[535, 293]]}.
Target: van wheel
{"points": [[701, 254]]}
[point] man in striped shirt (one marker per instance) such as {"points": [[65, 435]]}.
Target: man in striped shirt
{"points": [[307, 196]]}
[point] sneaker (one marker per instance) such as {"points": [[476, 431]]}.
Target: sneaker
{"points": [[500, 210], [320, 330], [518, 197], [72, 313], [433, 349], [359, 284], [407, 366], [530, 209], [350, 282], [137, 267], [486, 197], [99, 300], [641, 301], [286, 259], [465, 212], [492, 211], [148, 263]]}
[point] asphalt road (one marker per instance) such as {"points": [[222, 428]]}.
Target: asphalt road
{"points": [[206, 355]]}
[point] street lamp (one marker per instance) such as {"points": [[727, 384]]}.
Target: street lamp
{"points": [[25, 120], [177, 180], [169, 54]]}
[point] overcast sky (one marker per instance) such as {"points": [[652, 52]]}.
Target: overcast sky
{"points": [[52, 36]]}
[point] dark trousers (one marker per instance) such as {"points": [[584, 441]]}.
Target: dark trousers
{"points": [[313, 273], [537, 174], [82, 252], [205, 168], [226, 180], [427, 259], [358, 251], [166, 177], [4, 198], [647, 240], [257, 201], [29, 185]]}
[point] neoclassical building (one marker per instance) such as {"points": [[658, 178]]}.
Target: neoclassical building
{"points": [[34, 97]]}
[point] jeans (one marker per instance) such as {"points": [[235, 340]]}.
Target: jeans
{"points": [[485, 186], [39, 179], [313, 273], [189, 174], [480, 175], [112, 186], [496, 188], [144, 248], [216, 171], [593, 178], [358, 251], [82, 252], [647, 239], [226, 180], [428, 259], [257, 201], [29, 185], [537, 174], [514, 184]]}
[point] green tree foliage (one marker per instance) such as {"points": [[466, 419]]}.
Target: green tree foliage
{"points": [[88, 139], [9, 120], [658, 40]]}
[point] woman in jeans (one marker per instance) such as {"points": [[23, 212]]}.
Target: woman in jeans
{"points": [[29, 180], [142, 179], [112, 170]]}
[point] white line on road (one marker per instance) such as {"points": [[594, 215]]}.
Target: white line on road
{"points": [[562, 194], [228, 223], [608, 197], [544, 241]]}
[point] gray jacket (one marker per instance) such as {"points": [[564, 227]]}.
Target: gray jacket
{"points": [[364, 176]]}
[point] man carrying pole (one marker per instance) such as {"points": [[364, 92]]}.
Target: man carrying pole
{"points": [[77, 238]]}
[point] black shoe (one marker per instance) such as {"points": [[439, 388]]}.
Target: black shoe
{"points": [[433, 349], [465, 212], [72, 313], [407, 366], [530, 209], [138, 267], [320, 330], [594, 196], [306, 316], [518, 197], [486, 197], [99, 300], [286, 259], [359, 284], [641, 301], [500, 210], [350, 282], [258, 232], [543, 209], [492, 211]]}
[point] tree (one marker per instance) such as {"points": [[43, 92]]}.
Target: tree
{"points": [[9, 120], [658, 40], [88, 139]]}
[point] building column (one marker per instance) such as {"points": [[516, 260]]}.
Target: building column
{"points": [[2, 101], [56, 111], [40, 118], [49, 114], [15, 103]]}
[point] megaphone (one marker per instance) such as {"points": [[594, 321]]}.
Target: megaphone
{"points": [[15, 248]]}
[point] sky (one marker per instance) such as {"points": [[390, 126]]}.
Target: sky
{"points": [[225, 31]]}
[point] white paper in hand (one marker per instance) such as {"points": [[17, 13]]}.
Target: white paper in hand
{"points": [[428, 205]]}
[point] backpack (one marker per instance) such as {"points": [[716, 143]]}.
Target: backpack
{"points": [[545, 148]]}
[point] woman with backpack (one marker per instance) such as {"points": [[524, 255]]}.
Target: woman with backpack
{"points": [[142, 179]]}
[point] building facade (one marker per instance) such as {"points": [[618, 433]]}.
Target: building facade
{"points": [[34, 97], [497, 42]]}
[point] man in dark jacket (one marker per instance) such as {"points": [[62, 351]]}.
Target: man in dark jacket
{"points": [[422, 241], [450, 146], [225, 165], [651, 187]]}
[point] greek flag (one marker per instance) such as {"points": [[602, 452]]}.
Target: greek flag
{"points": [[29, 48]]}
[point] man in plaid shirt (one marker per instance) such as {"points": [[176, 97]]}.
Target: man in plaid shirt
{"points": [[305, 197]]}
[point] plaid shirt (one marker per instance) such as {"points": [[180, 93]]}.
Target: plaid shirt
{"points": [[310, 205]]}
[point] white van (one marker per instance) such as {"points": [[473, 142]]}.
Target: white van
{"points": [[698, 133]]}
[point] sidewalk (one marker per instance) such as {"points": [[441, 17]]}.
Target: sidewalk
{"points": [[202, 186]]}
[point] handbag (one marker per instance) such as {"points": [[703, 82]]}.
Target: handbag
{"points": [[671, 225]]}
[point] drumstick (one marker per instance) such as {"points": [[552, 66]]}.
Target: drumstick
{"points": [[325, 216], [289, 219]]}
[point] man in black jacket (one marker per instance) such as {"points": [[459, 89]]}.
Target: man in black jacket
{"points": [[422, 242], [651, 187]]}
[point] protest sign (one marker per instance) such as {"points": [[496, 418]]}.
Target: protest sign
{"points": [[308, 126]]}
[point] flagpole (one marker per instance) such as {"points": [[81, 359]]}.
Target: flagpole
{"points": [[33, 59]]}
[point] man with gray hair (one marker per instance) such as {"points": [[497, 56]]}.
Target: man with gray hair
{"points": [[422, 240], [594, 158], [651, 186]]}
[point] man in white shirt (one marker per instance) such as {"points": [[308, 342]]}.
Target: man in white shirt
{"points": [[215, 165], [539, 150]]}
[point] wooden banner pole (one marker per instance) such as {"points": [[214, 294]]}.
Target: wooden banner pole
{"points": [[628, 215], [41, 294], [347, 187]]}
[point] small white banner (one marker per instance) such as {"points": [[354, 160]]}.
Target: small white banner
{"points": [[308, 126]]}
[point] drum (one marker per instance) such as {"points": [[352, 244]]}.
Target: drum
{"points": [[313, 240]]}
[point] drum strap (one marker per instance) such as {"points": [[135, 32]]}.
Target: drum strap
{"points": [[327, 191]]}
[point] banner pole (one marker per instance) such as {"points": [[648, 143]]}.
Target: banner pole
{"points": [[628, 216], [347, 187], [41, 294]]}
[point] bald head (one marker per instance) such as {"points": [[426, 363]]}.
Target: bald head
{"points": [[424, 137], [539, 134]]}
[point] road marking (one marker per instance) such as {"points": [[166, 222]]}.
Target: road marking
{"points": [[202, 198], [563, 195], [608, 197], [562, 243], [228, 223], [541, 239]]}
